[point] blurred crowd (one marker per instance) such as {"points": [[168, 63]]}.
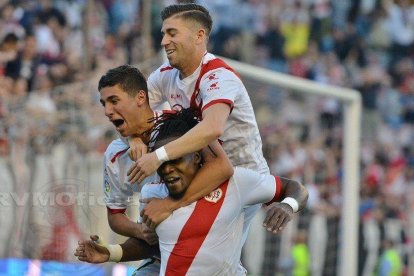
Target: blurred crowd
{"points": [[367, 45]]}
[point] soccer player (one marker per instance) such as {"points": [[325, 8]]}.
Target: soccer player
{"points": [[205, 236], [124, 95], [194, 77]]}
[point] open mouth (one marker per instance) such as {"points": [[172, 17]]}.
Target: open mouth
{"points": [[169, 52], [171, 180], [118, 122]]}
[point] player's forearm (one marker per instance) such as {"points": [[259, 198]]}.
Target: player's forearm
{"points": [[207, 131], [214, 172], [194, 140], [295, 190], [122, 225], [135, 249]]}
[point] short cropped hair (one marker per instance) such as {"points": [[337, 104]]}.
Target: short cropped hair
{"points": [[189, 11], [174, 123], [129, 78]]}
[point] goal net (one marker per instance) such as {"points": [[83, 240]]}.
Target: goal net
{"points": [[310, 133]]}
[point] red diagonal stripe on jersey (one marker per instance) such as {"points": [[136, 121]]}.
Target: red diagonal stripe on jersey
{"points": [[193, 234]]}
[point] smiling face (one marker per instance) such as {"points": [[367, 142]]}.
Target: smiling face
{"points": [[184, 42], [177, 174], [121, 109]]}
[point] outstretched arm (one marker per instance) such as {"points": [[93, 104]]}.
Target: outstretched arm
{"points": [[94, 251], [216, 169]]}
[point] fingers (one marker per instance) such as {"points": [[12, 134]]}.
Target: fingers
{"points": [[133, 172], [132, 155], [276, 219], [141, 178], [80, 253]]}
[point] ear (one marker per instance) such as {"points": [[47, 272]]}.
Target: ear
{"points": [[201, 36], [141, 98], [197, 158]]}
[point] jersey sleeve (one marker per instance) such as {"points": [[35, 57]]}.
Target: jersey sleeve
{"points": [[156, 97], [117, 198], [219, 86], [254, 188]]}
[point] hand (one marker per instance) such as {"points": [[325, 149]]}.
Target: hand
{"points": [[157, 210], [136, 149], [147, 234], [89, 251], [277, 216], [145, 166]]}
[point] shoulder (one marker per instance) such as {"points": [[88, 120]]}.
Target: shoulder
{"points": [[154, 189], [217, 69], [117, 146], [243, 175], [162, 71]]}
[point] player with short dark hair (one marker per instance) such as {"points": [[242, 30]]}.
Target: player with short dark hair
{"points": [[203, 237]]}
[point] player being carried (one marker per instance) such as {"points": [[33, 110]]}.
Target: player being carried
{"points": [[205, 235], [124, 96]]}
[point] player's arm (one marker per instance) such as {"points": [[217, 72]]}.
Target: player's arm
{"points": [[208, 130], [122, 225], [216, 169], [96, 251], [284, 196], [116, 207], [293, 198]]}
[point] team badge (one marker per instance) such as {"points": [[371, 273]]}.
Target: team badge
{"points": [[214, 196]]}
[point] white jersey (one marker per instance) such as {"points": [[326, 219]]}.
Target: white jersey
{"points": [[117, 189], [218, 84], [204, 237]]}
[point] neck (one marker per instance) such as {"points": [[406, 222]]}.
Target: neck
{"points": [[191, 67], [145, 126]]}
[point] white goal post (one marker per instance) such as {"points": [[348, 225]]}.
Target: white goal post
{"points": [[351, 99]]}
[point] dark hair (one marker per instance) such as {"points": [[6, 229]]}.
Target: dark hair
{"points": [[129, 78], [189, 11], [10, 38], [173, 124]]}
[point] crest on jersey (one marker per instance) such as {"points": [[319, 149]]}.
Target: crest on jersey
{"points": [[214, 196]]}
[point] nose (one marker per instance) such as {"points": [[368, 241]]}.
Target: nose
{"points": [[108, 110], [165, 40], [167, 168]]}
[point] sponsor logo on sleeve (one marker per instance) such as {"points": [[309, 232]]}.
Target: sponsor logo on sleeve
{"points": [[213, 86], [212, 77]]}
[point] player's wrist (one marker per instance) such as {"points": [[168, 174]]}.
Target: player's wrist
{"points": [[115, 252], [162, 155], [173, 204], [138, 231], [293, 203]]}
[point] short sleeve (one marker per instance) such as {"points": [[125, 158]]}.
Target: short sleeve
{"points": [[220, 86], [255, 188], [156, 97], [117, 197]]}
